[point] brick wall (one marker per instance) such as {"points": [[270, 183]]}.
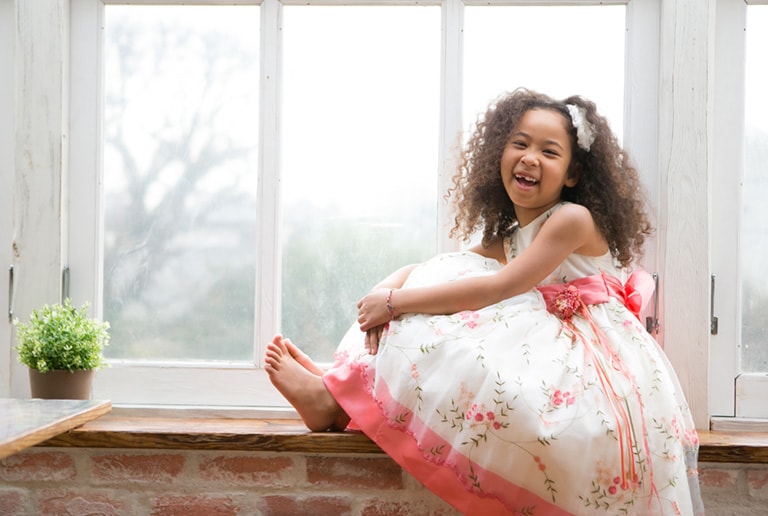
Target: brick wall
{"points": [[76, 481], [79, 481], [735, 489]]}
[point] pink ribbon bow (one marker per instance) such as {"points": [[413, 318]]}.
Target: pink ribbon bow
{"points": [[596, 289], [635, 293]]}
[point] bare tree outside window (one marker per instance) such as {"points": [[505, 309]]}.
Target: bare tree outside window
{"points": [[181, 132]]}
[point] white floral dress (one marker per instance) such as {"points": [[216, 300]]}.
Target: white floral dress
{"points": [[517, 409]]}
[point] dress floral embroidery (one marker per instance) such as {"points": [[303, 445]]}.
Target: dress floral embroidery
{"points": [[548, 403]]}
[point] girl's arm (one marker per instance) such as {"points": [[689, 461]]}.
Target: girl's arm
{"points": [[397, 278], [394, 280], [569, 229]]}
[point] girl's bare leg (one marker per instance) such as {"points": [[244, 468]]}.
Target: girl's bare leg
{"points": [[300, 380]]}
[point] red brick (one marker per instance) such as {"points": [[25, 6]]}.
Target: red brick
{"points": [[719, 478], [79, 502], [48, 466], [757, 481], [314, 506], [154, 468], [246, 470], [193, 505], [379, 473], [377, 507], [12, 502], [381, 508]]}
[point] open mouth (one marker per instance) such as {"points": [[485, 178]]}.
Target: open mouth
{"points": [[525, 180]]}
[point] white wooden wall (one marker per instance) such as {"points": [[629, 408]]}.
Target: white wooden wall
{"points": [[685, 165], [6, 185], [38, 160]]}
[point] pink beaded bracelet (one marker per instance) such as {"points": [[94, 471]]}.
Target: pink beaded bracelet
{"points": [[390, 306]]}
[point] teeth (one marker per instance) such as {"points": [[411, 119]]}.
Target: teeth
{"points": [[526, 179]]}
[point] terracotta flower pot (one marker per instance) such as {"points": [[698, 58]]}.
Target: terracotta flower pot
{"points": [[61, 385]]}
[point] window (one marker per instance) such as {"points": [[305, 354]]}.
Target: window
{"points": [[359, 162], [180, 171], [507, 46], [739, 343], [752, 382], [754, 221], [258, 242]]}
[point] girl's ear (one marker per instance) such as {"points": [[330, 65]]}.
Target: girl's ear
{"points": [[574, 173]]}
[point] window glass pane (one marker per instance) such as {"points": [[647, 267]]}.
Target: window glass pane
{"points": [[557, 50], [180, 142], [754, 220], [359, 158]]}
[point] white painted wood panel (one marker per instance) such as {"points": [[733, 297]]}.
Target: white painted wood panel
{"points": [[40, 151], [7, 85], [687, 42], [750, 395], [169, 385]]}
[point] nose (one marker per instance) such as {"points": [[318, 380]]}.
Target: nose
{"points": [[530, 159]]}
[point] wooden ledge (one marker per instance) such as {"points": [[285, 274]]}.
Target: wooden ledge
{"points": [[745, 447], [285, 435], [234, 434]]}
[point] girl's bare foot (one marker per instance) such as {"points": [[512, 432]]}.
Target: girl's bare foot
{"points": [[300, 381]]}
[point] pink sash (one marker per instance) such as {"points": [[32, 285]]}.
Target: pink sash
{"points": [[573, 298], [596, 289]]}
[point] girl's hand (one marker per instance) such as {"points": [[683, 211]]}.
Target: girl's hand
{"points": [[372, 309], [373, 337]]}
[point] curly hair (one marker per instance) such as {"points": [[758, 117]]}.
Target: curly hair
{"points": [[608, 185]]}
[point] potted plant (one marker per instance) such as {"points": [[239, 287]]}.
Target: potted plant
{"points": [[62, 347]]}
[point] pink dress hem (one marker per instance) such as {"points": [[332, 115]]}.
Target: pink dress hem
{"points": [[347, 383]]}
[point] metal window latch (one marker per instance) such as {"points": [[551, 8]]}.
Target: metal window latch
{"points": [[64, 283], [712, 318], [652, 322], [11, 292]]}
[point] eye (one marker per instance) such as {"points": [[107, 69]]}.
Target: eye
{"points": [[551, 152], [518, 143]]}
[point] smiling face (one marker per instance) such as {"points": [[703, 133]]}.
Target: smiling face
{"points": [[536, 162]]}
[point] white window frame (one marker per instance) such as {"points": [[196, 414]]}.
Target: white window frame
{"points": [[178, 384], [737, 400]]}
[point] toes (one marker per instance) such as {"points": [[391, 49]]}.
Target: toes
{"points": [[278, 341], [273, 353], [294, 351], [291, 347]]}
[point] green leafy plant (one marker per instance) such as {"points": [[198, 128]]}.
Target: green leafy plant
{"points": [[61, 337]]}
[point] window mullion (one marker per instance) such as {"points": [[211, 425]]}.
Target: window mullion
{"points": [[452, 48], [85, 212], [268, 195], [728, 165]]}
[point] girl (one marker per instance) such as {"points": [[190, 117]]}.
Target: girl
{"points": [[515, 377]]}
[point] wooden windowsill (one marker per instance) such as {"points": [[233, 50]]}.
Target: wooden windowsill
{"points": [[285, 435], [745, 447], [234, 434]]}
